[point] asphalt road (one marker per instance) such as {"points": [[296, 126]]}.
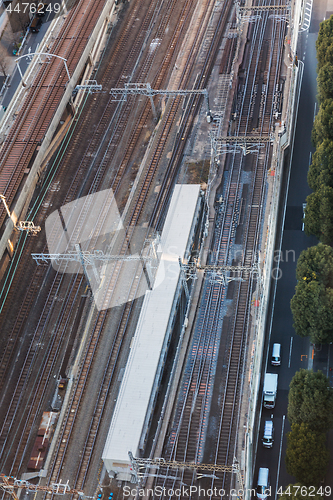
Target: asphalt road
{"points": [[31, 46], [296, 352]]}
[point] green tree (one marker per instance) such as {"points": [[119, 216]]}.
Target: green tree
{"points": [[310, 400], [312, 304], [321, 168], [299, 491], [316, 263], [306, 455], [319, 214], [324, 43], [323, 123], [312, 308], [325, 82]]}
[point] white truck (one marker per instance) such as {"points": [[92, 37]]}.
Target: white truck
{"points": [[270, 389]]}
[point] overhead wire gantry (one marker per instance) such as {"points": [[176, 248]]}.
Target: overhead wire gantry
{"points": [[120, 94], [219, 274], [8, 484], [245, 13], [149, 258], [141, 467], [243, 143]]}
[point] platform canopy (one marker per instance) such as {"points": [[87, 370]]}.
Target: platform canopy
{"points": [[149, 340]]}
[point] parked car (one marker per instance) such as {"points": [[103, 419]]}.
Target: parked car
{"points": [[268, 437], [263, 488], [35, 25], [276, 355]]}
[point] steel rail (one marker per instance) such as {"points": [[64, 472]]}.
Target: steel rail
{"points": [[24, 154], [254, 177], [136, 210]]}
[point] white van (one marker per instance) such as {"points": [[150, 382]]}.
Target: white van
{"points": [[263, 488], [276, 355], [268, 437]]}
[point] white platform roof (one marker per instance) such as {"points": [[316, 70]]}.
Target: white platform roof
{"points": [[138, 379]]}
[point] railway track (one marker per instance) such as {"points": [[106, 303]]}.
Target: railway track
{"points": [[9, 351], [73, 192], [203, 371], [135, 214], [35, 406], [41, 102], [230, 418], [131, 224], [190, 427], [97, 331]]}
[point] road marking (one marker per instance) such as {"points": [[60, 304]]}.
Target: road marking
{"points": [[314, 111], [290, 348], [310, 157], [304, 356], [279, 462], [328, 360]]}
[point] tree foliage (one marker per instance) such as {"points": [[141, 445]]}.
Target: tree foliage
{"points": [[316, 263], [323, 123], [312, 314], [310, 400], [306, 455], [321, 168], [319, 214], [299, 491], [325, 82], [324, 43], [312, 304], [319, 210]]}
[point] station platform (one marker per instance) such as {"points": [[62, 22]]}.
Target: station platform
{"points": [[140, 383]]}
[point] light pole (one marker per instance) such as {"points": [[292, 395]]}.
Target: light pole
{"points": [[41, 54]]}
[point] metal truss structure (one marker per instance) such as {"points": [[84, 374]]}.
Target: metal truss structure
{"points": [[244, 13], [149, 258], [218, 274], [90, 86], [141, 467], [8, 484], [120, 94], [87, 258], [235, 144]]}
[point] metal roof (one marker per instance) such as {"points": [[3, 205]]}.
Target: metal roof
{"points": [[138, 379]]}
